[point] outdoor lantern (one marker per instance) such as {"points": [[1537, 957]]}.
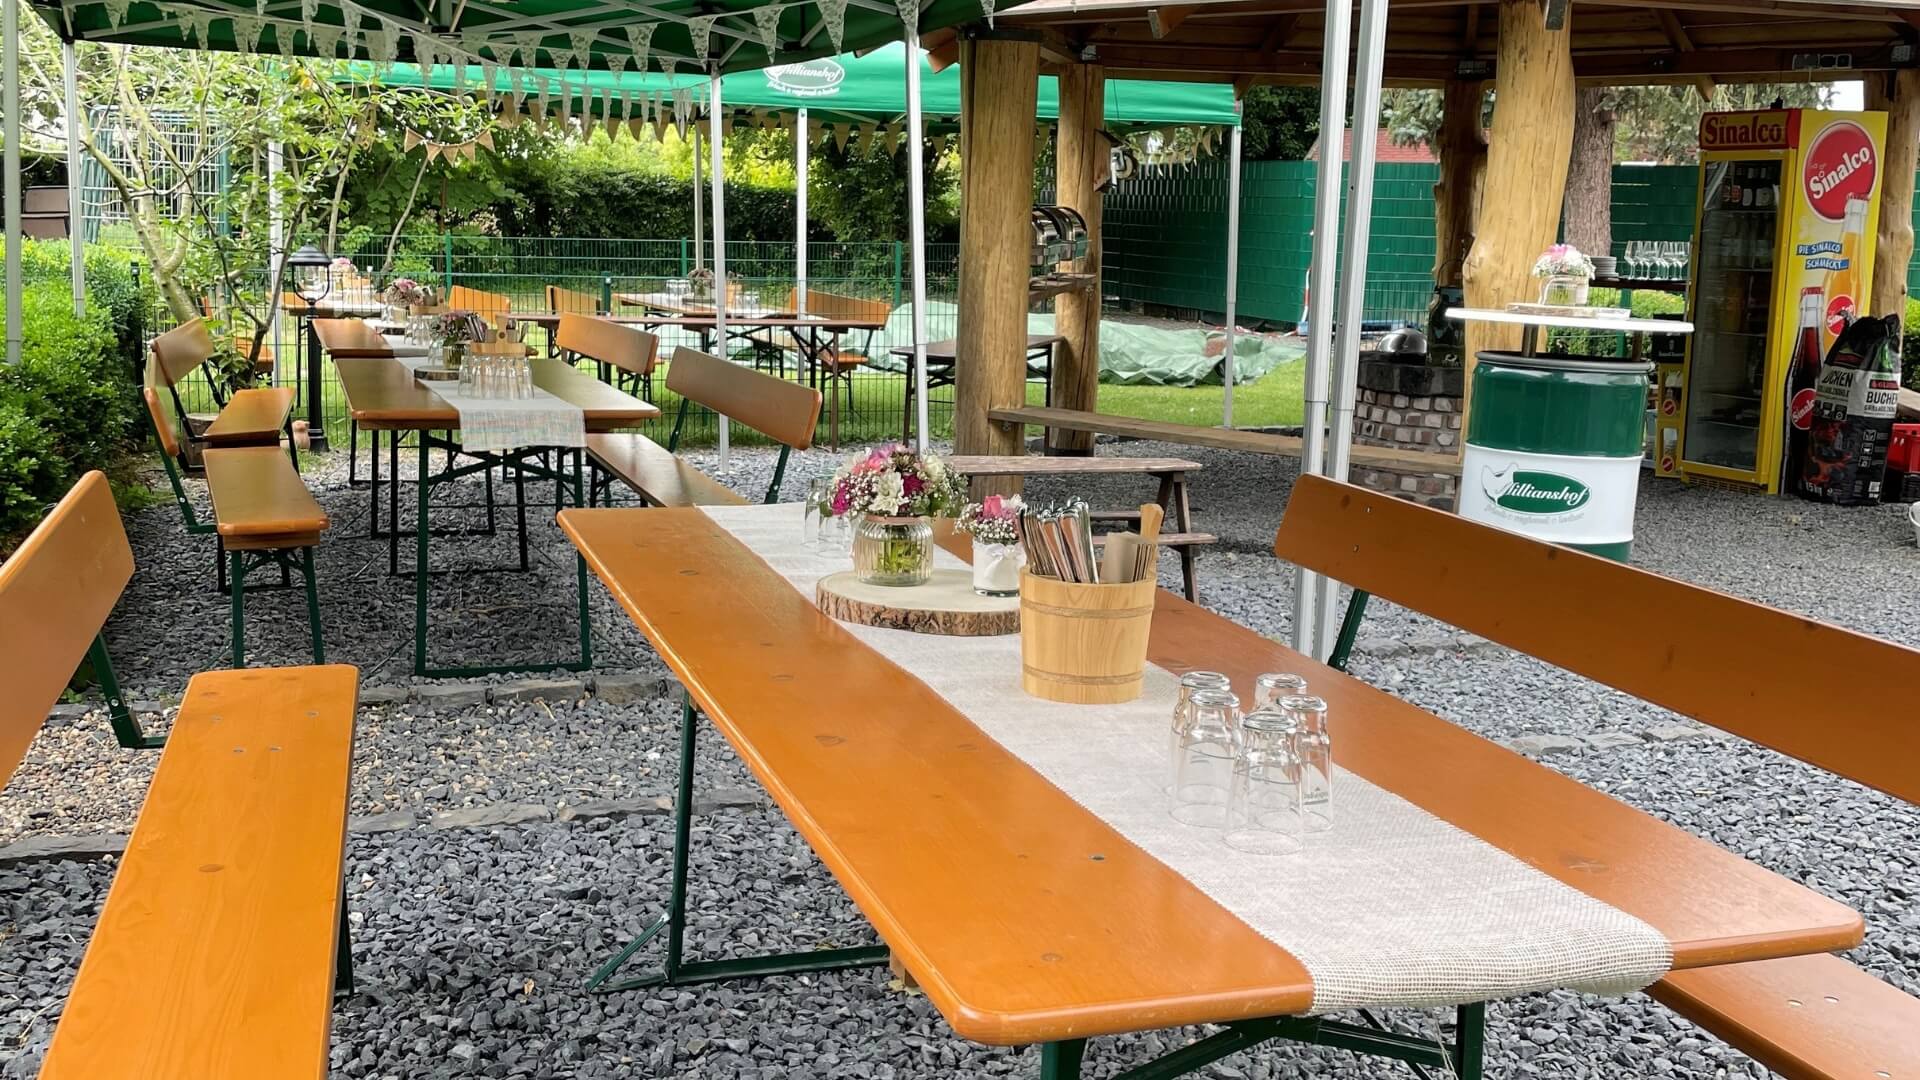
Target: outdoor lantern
{"points": [[312, 273]]}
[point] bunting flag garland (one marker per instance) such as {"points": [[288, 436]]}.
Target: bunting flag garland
{"points": [[626, 104], [423, 50], [840, 134], [540, 107], [349, 22], [909, 12], [893, 138], [939, 144], [383, 44], [246, 32], [617, 63], [566, 102], [835, 14], [193, 24], [283, 40], [513, 87], [325, 39], [117, 11], [682, 106], [815, 129], [640, 38], [766, 19], [583, 46], [527, 46], [308, 8], [700, 32]]}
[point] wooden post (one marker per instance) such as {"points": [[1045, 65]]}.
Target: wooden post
{"points": [[1526, 171], [1080, 162], [999, 81], [1463, 168], [1898, 94]]}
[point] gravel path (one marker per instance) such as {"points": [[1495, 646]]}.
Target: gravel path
{"points": [[502, 849]]}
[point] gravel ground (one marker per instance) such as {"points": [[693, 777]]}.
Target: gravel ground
{"points": [[489, 873]]}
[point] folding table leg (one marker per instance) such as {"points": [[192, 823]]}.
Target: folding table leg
{"points": [[1061, 1060], [238, 576], [373, 487], [343, 954], [313, 607]]}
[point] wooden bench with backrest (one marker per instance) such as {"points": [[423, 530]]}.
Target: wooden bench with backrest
{"points": [[492, 307], [837, 362], [1742, 667], [625, 354], [223, 936], [1219, 438], [782, 411], [564, 301], [263, 515]]}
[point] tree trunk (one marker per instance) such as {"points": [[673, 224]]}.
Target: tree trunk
{"points": [[1590, 174], [1463, 167], [1898, 93], [1079, 163], [1526, 171]]}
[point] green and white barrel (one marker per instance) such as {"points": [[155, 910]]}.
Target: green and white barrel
{"points": [[1553, 450]]}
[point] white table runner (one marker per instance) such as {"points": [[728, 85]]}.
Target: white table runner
{"points": [[1393, 907], [509, 423]]}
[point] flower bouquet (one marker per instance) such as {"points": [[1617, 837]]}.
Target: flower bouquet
{"points": [[402, 295], [892, 491], [1566, 275], [993, 523], [700, 283], [452, 331]]}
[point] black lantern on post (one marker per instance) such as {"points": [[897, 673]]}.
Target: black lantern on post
{"points": [[312, 281]]}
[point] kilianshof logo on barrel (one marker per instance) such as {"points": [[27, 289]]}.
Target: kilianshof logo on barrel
{"points": [[1839, 166], [811, 78], [1532, 492]]}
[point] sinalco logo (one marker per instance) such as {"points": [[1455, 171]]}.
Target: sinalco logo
{"points": [[1533, 492], [811, 78]]}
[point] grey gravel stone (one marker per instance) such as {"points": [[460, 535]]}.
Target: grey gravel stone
{"points": [[1380, 647], [611, 808], [627, 689], [549, 690], [450, 695], [1675, 732], [387, 694], [481, 816], [1610, 740], [392, 821], [1544, 745], [32, 848]]}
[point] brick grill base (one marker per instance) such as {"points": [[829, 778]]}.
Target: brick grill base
{"points": [[1409, 407]]}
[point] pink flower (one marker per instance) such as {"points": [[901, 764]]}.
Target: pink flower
{"points": [[842, 499], [993, 506], [912, 484]]}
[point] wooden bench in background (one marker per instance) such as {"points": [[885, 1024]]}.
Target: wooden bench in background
{"points": [[223, 936], [625, 354], [1750, 670], [1251, 442], [783, 411], [1171, 472]]}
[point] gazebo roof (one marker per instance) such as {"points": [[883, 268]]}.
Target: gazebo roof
{"points": [[684, 35], [1614, 41]]}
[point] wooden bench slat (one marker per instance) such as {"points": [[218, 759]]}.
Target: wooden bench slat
{"points": [[1804, 1017], [214, 955], [1035, 465], [1740, 666], [625, 347], [657, 475], [1252, 442], [256, 492], [254, 414], [55, 593], [783, 411]]}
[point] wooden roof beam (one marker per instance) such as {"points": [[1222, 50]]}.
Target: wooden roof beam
{"points": [[1277, 34], [1677, 37], [1165, 20]]}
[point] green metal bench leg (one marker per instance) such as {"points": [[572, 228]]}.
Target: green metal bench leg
{"points": [[343, 955], [580, 565], [313, 607], [1349, 629], [1470, 1042], [126, 729], [1061, 1060], [237, 578]]}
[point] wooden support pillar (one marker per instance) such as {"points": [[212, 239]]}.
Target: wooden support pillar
{"points": [[1898, 94], [1463, 168], [1080, 164], [1526, 180], [999, 81]]}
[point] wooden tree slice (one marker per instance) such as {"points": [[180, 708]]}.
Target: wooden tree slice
{"points": [[946, 605]]}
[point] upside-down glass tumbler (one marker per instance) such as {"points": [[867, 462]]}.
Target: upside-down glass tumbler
{"points": [[1207, 754], [1265, 812], [1183, 715], [1275, 685], [1315, 743]]}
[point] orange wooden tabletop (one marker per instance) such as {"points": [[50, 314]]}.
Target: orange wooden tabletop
{"points": [[251, 415], [383, 394], [1027, 919], [350, 337]]}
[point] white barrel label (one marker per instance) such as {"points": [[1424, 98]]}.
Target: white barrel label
{"points": [[1555, 497]]}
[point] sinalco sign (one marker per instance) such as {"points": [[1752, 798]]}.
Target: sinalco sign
{"points": [[810, 78], [1528, 492]]}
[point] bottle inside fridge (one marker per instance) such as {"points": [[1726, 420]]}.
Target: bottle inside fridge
{"points": [[1733, 289]]}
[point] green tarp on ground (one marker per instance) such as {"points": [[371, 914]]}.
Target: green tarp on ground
{"points": [[1130, 353]]}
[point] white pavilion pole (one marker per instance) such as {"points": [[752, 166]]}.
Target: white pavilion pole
{"points": [[1233, 270], [1308, 630], [800, 151], [720, 297], [1353, 278], [10, 168], [699, 200], [76, 237], [917, 219]]}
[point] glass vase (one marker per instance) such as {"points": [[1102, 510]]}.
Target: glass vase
{"points": [[892, 550], [1564, 290], [996, 569]]}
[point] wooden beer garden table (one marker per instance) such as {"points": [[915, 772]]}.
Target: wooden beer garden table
{"points": [[1027, 919], [383, 395]]}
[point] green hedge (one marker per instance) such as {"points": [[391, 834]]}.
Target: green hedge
{"points": [[585, 195], [112, 287], [64, 410]]}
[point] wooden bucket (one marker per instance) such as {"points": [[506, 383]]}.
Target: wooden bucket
{"points": [[1084, 644]]}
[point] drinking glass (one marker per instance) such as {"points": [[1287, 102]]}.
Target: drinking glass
{"points": [[1207, 754], [810, 524], [466, 377], [1265, 808], [523, 370], [1183, 715], [1275, 685], [1315, 745]]}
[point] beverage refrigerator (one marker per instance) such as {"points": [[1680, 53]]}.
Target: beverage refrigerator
{"points": [[1789, 202]]}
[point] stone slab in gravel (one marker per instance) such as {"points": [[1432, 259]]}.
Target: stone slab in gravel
{"points": [[549, 690]]}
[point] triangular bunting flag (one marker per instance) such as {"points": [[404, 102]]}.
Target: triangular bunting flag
{"points": [[766, 19], [307, 10], [246, 32], [349, 22], [583, 46], [635, 127], [117, 11], [283, 40], [866, 139], [939, 144], [835, 14], [626, 104], [527, 45], [641, 39], [840, 134], [411, 140], [909, 12], [616, 63], [326, 40], [700, 32], [893, 138], [485, 139]]}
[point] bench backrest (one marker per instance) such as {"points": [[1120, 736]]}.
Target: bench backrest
{"points": [[564, 301], [1831, 697], [181, 350], [628, 348], [834, 304], [162, 424], [785, 412], [491, 306], [55, 593]]}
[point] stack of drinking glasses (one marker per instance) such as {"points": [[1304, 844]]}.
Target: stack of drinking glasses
{"points": [[498, 377], [1266, 777]]}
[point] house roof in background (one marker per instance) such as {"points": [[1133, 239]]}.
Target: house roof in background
{"points": [[1385, 150]]}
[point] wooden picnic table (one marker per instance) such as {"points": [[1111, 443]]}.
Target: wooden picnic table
{"points": [[1025, 918], [383, 395], [252, 417], [943, 355]]}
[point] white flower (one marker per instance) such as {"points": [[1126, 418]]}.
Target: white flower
{"points": [[888, 494], [936, 469]]}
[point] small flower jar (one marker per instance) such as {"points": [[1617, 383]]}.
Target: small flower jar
{"points": [[893, 550], [1564, 290], [996, 568]]}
